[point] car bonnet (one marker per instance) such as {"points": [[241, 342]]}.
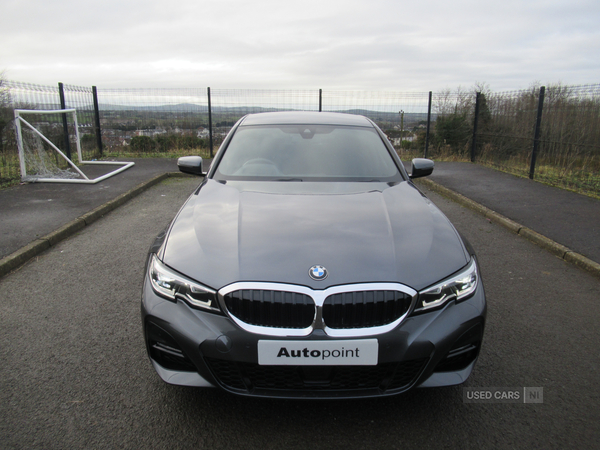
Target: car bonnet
{"points": [[225, 234]]}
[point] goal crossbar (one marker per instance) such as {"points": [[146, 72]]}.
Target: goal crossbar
{"points": [[85, 179]]}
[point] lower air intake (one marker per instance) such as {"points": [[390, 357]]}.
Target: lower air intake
{"points": [[248, 377]]}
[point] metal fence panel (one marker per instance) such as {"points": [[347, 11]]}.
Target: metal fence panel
{"points": [[569, 144], [152, 121], [569, 152], [81, 98], [230, 105], [177, 121], [452, 124], [506, 129], [20, 96], [401, 115]]}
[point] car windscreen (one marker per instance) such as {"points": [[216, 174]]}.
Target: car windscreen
{"points": [[307, 153]]}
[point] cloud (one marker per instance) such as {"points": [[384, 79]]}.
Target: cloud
{"points": [[334, 44]]}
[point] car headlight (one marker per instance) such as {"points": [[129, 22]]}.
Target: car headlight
{"points": [[172, 285], [457, 287]]}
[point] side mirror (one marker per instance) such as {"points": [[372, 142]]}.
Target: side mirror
{"points": [[190, 164], [421, 167]]}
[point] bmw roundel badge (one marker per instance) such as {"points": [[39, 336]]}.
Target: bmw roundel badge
{"points": [[317, 273]]}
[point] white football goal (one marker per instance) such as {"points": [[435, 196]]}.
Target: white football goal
{"points": [[41, 160]]}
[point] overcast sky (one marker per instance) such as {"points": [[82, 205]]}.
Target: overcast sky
{"points": [[377, 45]]}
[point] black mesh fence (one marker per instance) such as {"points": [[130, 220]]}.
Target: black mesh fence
{"points": [[505, 131], [401, 115], [32, 96], [26, 96], [569, 149], [16, 95], [568, 145], [81, 99], [452, 116], [229, 105], [153, 121], [173, 122]]}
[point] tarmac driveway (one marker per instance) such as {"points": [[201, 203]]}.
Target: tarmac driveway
{"points": [[74, 373]]}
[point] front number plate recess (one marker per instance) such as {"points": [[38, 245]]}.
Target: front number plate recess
{"points": [[359, 352]]}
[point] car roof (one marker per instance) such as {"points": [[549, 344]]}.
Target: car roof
{"points": [[305, 118]]}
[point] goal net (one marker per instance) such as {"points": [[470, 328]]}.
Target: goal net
{"points": [[41, 159]]}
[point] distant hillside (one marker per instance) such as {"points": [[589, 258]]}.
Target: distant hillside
{"points": [[193, 108]]}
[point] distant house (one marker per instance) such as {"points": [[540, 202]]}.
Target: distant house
{"points": [[202, 133], [396, 141], [149, 133]]}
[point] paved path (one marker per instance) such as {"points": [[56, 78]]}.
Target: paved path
{"points": [[568, 218], [30, 211]]}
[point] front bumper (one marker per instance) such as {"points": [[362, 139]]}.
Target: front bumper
{"points": [[194, 348]]}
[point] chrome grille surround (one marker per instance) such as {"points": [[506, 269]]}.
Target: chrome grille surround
{"points": [[318, 297]]}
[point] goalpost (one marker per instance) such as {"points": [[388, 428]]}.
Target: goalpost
{"points": [[34, 158]]}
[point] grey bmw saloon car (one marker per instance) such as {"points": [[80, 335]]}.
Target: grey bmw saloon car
{"points": [[308, 265]]}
